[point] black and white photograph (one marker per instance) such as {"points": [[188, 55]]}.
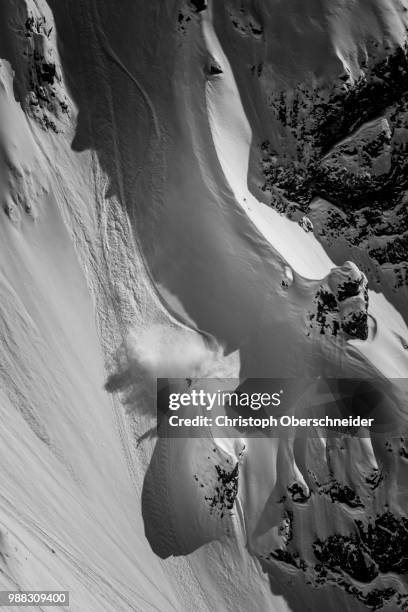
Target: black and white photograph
{"points": [[204, 305]]}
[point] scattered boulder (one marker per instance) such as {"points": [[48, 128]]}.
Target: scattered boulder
{"points": [[287, 280], [214, 67]]}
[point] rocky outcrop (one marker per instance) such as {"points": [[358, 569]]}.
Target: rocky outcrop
{"points": [[346, 144], [200, 5], [341, 303], [38, 79], [379, 548]]}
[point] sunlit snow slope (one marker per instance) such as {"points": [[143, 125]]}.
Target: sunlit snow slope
{"points": [[140, 237]]}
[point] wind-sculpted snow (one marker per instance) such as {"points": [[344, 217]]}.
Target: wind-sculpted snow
{"points": [[331, 143], [341, 304], [171, 176]]}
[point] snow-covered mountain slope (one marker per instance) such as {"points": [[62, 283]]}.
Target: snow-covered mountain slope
{"points": [[321, 80], [148, 153]]}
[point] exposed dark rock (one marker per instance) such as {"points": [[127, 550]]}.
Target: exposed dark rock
{"points": [[378, 548], [38, 80], [257, 30], [298, 494], [350, 149], [376, 598], [342, 303], [289, 558], [403, 453], [387, 541], [345, 553], [375, 479], [342, 494], [326, 305], [45, 72], [356, 325], [225, 491], [200, 5], [214, 67]]}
